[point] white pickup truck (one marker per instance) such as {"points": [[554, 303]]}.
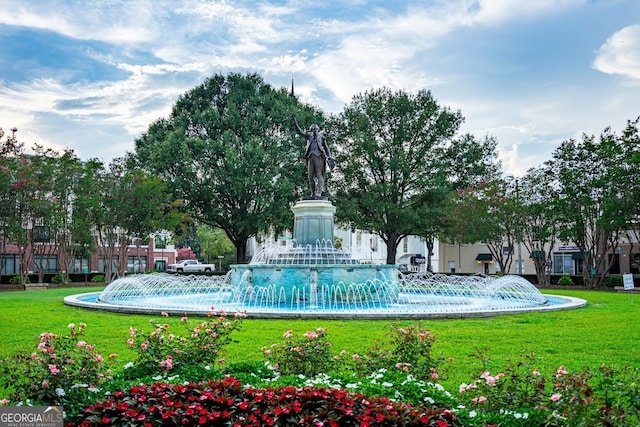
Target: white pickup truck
{"points": [[189, 265]]}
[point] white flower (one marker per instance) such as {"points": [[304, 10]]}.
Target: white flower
{"points": [[472, 414], [387, 384], [60, 392]]}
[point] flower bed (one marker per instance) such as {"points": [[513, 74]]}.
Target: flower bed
{"points": [[226, 402]]}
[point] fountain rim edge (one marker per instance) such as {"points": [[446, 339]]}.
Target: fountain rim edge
{"points": [[568, 304]]}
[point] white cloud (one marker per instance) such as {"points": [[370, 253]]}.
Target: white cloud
{"points": [[122, 22], [620, 54], [495, 11]]}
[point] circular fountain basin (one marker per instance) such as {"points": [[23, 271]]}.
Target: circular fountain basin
{"points": [[409, 297]]}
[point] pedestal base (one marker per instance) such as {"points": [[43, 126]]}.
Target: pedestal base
{"points": [[313, 222]]}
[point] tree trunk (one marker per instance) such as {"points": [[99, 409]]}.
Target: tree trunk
{"points": [[241, 250], [392, 242]]}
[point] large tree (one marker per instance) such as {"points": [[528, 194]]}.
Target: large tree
{"points": [[228, 150], [597, 180], [10, 152], [487, 213], [537, 219], [131, 204], [398, 156]]}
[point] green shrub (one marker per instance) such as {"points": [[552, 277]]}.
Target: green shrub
{"points": [[407, 349], [162, 351], [307, 355], [57, 279], [15, 280], [63, 370], [565, 280], [612, 281], [98, 279]]}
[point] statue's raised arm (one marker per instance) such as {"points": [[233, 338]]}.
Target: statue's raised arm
{"points": [[297, 126], [316, 155]]}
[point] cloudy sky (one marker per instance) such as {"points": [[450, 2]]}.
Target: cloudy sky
{"points": [[92, 75]]}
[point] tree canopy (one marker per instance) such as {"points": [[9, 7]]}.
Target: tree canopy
{"points": [[228, 151], [399, 156]]}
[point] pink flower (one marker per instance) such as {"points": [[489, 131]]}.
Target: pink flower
{"points": [[130, 342], [536, 373], [480, 399], [167, 363], [45, 384], [145, 345], [165, 314], [555, 397], [311, 335], [53, 369], [434, 376], [71, 326], [561, 372], [82, 343], [288, 334]]}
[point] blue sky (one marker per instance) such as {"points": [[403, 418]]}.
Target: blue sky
{"points": [[92, 76]]}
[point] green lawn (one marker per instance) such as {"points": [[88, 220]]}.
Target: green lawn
{"points": [[606, 331]]}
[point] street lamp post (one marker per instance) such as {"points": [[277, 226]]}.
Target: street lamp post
{"points": [[220, 257]]}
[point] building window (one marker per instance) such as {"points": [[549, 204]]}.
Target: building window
{"points": [[566, 263], [452, 266], [80, 265], [10, 264], [102, 264], [41, 234], [161, 265], [359, 240], [136, 264], [48, 263], [374, 243], [160, 242], [405, 245]]}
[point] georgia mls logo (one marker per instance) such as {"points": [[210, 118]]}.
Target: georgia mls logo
{"points": [[31, 416]]}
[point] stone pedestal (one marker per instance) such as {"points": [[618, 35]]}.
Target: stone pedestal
{"points": [[313, 222]]}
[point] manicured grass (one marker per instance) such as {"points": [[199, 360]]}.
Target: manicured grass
{"points": [[605, 332]]}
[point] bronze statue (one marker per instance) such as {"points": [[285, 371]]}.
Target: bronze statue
{"points": [[317, 156]]}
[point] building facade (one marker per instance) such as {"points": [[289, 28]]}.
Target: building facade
{"points": [[152, 254]]}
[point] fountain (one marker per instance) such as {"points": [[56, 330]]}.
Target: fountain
{"points": [[310, 278]]}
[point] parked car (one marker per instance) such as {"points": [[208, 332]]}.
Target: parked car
{"points": [[189, 266]]}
